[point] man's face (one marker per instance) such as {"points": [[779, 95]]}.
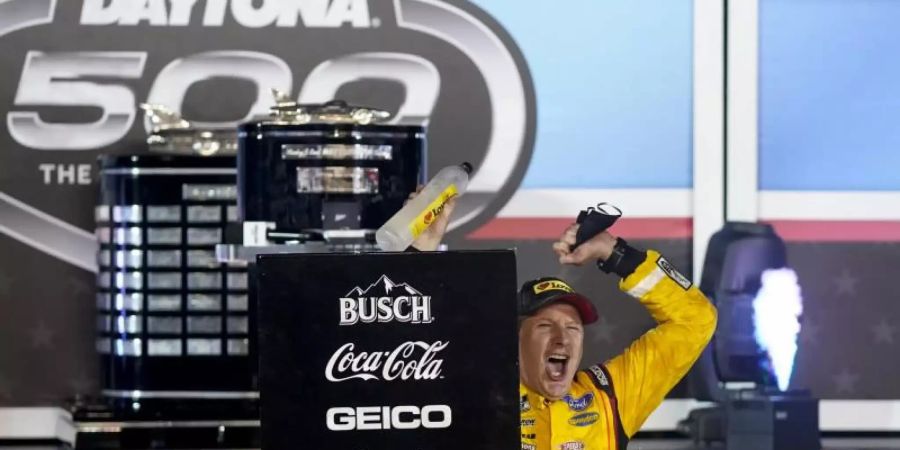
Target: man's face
{"points": [[550, 348]]}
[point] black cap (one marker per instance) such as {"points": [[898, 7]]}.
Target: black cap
{"points": [[536, 294], [467, 167]]}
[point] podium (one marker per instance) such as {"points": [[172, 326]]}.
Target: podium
{"points": [[381, 351]]}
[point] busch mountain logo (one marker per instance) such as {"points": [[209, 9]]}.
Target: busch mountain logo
{"points": [[385, 301]]}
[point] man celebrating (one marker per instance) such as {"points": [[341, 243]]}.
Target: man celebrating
{"points": [[563, 408]]}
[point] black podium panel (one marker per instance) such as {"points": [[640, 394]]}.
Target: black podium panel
{"points": [[412, 351]]}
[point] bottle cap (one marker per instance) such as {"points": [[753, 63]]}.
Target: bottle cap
{"points": [[467, 167]]}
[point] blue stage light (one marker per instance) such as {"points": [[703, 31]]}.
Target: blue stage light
{"points": [[746, 275]]}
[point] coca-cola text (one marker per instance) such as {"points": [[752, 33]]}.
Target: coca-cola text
{"points": [[412, 360]]}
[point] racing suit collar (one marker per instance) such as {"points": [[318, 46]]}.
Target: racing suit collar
{"points": [[535, 400]]}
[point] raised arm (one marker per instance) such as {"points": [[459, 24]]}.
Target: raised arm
{"points": [[651, 366]]}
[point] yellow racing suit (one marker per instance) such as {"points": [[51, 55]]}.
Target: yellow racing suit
{"points": [[609, 402]]}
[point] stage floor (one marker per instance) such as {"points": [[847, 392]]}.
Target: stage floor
{"points": [[827, 444], [638, 444]]}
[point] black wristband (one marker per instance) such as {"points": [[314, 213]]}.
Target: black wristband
{"points": [[623, 260]]}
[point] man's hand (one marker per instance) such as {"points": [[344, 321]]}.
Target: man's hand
{"points": [[431, 238], [598, 247]]}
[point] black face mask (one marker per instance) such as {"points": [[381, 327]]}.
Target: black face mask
{"points": [[595, 220]]}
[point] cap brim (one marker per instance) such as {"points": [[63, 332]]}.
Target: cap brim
{"points": [[584, 306]]}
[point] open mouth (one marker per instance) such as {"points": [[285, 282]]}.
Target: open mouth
{"points": [[556, 366]]}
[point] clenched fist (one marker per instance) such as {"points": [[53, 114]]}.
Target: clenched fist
{"points": [[598, 247]]}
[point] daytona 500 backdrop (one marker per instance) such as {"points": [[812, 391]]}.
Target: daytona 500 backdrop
{"points": [[557, 105]]}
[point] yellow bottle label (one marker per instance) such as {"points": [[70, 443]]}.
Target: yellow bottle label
{"points": [[426, 217]]}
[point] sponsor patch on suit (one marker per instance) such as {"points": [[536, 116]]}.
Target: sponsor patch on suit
{"points": [[580, 403], [523, 404], [584, 419], [598, 373], [673, 274]]}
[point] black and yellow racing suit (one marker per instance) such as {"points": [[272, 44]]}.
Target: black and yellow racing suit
{"points": [[609, 402]]}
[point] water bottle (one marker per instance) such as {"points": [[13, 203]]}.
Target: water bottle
{"points": [[418, 214]]}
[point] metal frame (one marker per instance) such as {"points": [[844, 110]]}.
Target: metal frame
{"points": [[742, 100], [709, 132]]}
